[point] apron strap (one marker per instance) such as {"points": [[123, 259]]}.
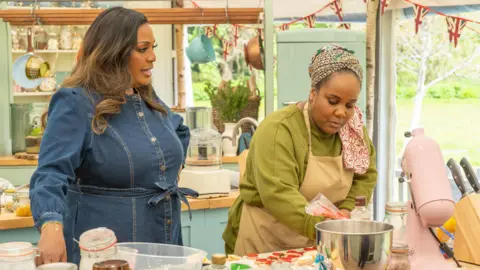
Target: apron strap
{"points": [[306, 108], [175, 191]]}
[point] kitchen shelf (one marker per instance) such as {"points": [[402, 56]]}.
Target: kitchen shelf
{"points": [[32, 94], [31, 97], [47, 51], [85, 16]]}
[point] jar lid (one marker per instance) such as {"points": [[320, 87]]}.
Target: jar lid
{"points": [[396, 207], [400, 247], [219, 259], [97, 239], [16, 249], [111, 265], [360, 201]]}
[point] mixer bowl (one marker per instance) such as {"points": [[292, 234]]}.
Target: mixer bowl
{"points": [[142, 256], [356, 244]]}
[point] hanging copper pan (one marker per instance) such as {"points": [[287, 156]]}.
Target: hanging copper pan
{"points": [[254, 53]]}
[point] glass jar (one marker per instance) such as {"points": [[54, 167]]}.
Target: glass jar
{"points": [[21, 204], [15, 45], [218, 262], [22, 39], [396, 215], [399, 257], [41, 39], [76, 39], [66, 38], [8, 200], [97, 245], [111, 265], [53, 41], [17, 256]]}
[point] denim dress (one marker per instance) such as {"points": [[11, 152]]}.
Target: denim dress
{"points": [[124, 179]]}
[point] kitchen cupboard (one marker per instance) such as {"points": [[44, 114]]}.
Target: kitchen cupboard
{"points": [[295, 50], [204, 231]]}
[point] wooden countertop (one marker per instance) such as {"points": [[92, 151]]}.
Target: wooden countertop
{"points": [[10, 221], [12, 161]]}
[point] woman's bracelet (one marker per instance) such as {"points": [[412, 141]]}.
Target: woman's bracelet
{"points": [[57, 223]]}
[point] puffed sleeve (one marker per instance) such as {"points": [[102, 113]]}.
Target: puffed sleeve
{"points": [[276, 177], [66, 137], [363, 184]]}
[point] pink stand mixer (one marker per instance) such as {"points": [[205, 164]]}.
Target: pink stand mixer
{"points": [[431, 203]]}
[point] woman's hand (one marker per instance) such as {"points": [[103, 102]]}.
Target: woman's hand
{"points": [[345, 212], [51, 246]]}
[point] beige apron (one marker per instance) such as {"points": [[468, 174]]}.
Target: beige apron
{"points": [[260, 232]]}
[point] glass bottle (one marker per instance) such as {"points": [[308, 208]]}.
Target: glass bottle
{"points": [[218, 262], [97, 245], [399, 257], [360, 212], [17, 256], [396, 215]]}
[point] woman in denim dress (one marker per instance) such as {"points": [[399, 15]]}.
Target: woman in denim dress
{"points": [[112, 150]]}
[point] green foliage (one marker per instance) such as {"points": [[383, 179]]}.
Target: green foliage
{"points": [[36, 132], [406, 92], [228, 101]]}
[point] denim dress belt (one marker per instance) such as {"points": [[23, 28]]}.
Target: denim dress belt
{"points": [[120, 209]]}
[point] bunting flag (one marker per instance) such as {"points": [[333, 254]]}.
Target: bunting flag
{"points": [[384, 4], [236, 34], [208, 31], [455, 27], [195, 5], [337, 8], [310, 20], [420, 13], [284, 27], [227, 47]]}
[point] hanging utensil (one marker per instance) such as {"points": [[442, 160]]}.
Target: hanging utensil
{"points": [[254, 53], [29, 68]]}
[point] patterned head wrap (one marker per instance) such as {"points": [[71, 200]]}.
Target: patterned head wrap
{"points": [[327, 60], [332, 58]]}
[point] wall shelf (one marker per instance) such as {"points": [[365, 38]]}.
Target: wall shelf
{"points": [[85, 16], [46, 51], [31, 97]]}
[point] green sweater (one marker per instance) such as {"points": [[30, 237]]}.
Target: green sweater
{"points": [[276, 166]]}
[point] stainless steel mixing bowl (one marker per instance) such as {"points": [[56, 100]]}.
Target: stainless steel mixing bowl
{"points": [[357, 244]]}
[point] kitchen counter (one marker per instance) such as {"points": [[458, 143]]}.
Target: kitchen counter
{"points": [[12, 161], [9, 221]]}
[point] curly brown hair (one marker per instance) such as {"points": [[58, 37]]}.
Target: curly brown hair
{"points": [[102, 65]]}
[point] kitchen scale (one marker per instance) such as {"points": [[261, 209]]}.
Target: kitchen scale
{"points": [[203, 165]]}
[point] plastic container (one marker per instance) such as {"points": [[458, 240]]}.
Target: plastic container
{"points": [[142, 256], [17, 256], [97, 245]]}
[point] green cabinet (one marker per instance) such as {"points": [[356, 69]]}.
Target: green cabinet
{"points": [[295, 50]]}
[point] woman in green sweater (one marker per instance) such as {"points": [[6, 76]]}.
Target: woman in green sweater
{"points": [[315, 146]]}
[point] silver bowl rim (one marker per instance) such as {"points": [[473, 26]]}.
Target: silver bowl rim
{"points": [[355, 234]]}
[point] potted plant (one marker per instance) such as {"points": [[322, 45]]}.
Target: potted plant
{"points": [[228, 101]]}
